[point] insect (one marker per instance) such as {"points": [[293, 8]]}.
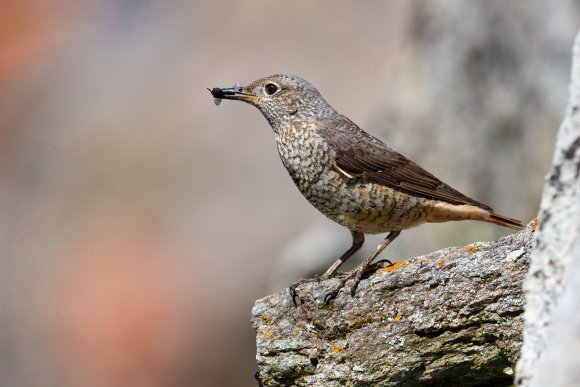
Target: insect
{"points": [[219, 93]]}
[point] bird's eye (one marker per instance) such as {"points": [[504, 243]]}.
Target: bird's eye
{"points": [[271, 88]]}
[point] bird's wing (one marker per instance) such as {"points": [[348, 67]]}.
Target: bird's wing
{"points": [[360, 154]]}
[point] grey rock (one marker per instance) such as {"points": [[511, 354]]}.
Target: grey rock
{"points": [[552, 317], [453, 315]]}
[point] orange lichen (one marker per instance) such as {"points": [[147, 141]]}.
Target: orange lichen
{"points": [[398, 317], [440, 262], [265, 333], [534, 224], [396, 266], [337, 349], [266, 318], [470, 248]]}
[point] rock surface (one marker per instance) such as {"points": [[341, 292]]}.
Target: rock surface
{"points": [[453, 315], [552, 287]]}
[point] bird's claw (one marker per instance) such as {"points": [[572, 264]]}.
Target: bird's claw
{"points": [[293, 294], [357, 279], [330, 296], [333, 293], [355, 274], [292, 289], [380, 264]]}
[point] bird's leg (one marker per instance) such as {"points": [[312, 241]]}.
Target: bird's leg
{"points": [[358, 272], [358, 238]]}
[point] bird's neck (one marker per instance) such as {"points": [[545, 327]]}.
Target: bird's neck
{"points": [[302, 117]]}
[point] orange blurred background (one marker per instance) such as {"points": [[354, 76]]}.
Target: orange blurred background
{"points": [[139, 222]]}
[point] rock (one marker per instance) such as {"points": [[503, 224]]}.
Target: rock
{"points": [[455, 314], [552, 317]]}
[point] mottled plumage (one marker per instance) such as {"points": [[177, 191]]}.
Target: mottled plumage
{"points": [[350, 176]]}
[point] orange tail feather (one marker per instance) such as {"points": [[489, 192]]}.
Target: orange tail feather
{"points": [[505, 221]]}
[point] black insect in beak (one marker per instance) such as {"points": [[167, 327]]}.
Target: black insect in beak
{"points": [[235, 92]]}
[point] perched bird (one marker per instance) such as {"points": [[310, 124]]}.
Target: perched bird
{"points": [[350, 176]]}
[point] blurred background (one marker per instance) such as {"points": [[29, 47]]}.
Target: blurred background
{"points": [[139, 221]]}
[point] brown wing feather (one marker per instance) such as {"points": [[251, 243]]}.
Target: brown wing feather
{"points": [[360, 154]]}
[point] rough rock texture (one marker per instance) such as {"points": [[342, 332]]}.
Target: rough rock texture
{"points": [[552, 314], [453, 317]]}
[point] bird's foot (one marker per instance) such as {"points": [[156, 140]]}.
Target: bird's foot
{"points": [[378, 265], [356, 274], [294, 293], [344, 277]]}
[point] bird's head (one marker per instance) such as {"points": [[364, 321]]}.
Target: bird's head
{"points": [[281, 99]]}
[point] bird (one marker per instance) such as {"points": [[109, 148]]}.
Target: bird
{"points": [[352, 177]]}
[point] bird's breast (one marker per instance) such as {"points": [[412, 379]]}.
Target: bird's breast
{"points": [[306, 156], [351, 201], [310, 162]]}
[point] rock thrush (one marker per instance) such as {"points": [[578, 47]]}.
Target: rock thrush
{"points": [[350, 176]]}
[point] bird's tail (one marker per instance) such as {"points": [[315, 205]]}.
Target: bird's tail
{"points": [[505, 221], [443, 212]]}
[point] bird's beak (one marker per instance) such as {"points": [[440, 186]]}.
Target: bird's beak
{"points": [[236, 92]]}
